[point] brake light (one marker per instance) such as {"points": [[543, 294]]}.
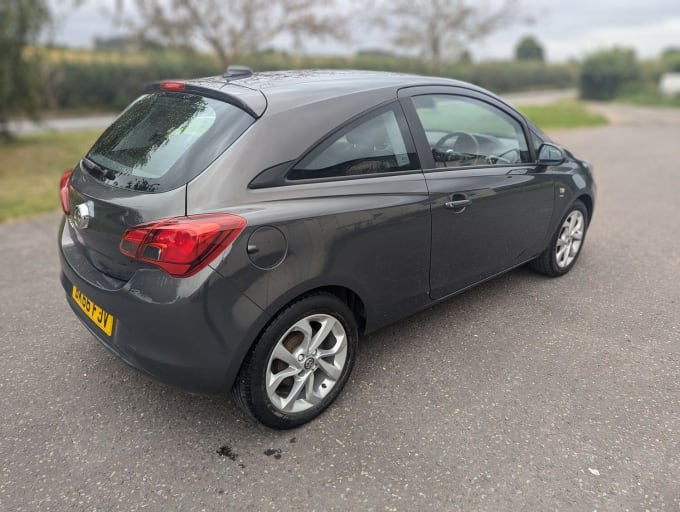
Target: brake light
{"points": [[182, 245], [173, 86], [63, 191]]}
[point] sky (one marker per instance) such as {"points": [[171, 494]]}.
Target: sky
{"points": [[565, 29]]}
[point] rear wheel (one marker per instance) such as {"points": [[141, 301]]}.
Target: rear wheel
{"points": [[300, 363], [565, 245]]}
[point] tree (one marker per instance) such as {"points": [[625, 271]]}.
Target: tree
{"points": [[443, 28], [234, 27], [20, 24], [529, 48]]}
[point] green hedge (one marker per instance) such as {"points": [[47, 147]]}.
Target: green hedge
{"points": [[79, 80], [112, 84], [502, 77]]}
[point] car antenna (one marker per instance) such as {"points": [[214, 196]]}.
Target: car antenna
{"points": [[236, 72]]}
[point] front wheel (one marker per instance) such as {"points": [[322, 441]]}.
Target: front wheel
{"points": [[300, 363], [565, 246]]}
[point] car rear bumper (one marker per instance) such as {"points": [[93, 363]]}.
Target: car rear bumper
{"points": [[192, 333]]}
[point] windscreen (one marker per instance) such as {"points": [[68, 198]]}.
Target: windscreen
{"points": [[163, 140]]}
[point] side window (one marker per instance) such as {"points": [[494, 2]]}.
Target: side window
{"points": [[373, 144], [465, 132]]}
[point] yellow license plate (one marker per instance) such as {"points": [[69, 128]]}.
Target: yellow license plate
{"points": [[102, 319]]}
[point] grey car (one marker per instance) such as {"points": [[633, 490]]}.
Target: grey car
{"points": [[242, 231]]}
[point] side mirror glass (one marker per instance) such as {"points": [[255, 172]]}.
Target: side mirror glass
{"points": [[549, 154]]}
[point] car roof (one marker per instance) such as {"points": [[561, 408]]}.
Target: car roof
{"points": [[279, 91]]}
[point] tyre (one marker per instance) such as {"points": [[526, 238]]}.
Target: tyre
{"points": [[565, 246], [300, 362]]}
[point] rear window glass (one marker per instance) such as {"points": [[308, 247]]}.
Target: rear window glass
{"points": [[163, 140]]}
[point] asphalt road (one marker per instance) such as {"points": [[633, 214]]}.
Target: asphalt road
{"points": [[62, 124], [525, 393]]}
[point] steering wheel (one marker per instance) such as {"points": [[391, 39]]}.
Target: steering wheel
{"points": [[501, 159], [460, 136], [465, 148]]}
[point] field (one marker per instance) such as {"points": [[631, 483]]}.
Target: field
{"points": [[30, 168], [563, 114]]}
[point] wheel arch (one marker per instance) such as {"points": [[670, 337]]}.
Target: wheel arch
{"points": [[588, 203], [345, 293]]}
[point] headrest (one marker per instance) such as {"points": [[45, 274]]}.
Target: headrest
{"points": [[371, 133]]}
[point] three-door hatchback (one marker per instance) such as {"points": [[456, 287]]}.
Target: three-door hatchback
{"points": [[242, 231]]}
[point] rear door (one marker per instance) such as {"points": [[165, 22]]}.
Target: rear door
{"points": [[490, 204]]}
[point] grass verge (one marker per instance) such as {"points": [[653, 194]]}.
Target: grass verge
{"points": [[30, 168], [562, 114], [651, 98]]}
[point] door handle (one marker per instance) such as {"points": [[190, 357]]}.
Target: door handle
{"points": [[461, 203], [458, 203]]}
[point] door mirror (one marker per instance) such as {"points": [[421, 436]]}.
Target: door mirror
{"points": [[549, 154]]}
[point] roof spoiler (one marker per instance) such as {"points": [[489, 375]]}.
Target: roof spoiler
{"points": [[192, 88]]}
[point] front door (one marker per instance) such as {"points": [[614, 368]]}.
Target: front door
{"points": [[490, 205]]}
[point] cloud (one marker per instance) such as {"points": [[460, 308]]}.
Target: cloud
{"points": [[648, 40]]}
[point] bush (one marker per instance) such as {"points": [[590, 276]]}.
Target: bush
{"points": [[607, 73]]}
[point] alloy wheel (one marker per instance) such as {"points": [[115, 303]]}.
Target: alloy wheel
{"points": [[306, 363], [570, 239]]}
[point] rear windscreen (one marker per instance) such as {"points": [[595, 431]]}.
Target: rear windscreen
{"points": [[163, 140]]}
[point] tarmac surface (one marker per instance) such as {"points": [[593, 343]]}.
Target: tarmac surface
{"points": [[525, 393], [62, 124]]}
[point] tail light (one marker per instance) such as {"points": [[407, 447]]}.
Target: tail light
{"points": [[182, 245], [63, 191]]}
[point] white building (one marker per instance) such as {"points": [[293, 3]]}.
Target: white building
{"points": [[669, 85]]}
